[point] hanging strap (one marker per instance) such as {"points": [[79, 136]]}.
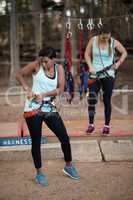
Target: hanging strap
{"points": [[105, 72]]}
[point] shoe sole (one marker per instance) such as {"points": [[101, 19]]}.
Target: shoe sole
{"points": [[93, 132], [105, 134], [70, 175], [40, 183]]}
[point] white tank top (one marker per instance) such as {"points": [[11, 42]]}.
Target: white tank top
{"points": [[41, 84], [107, 60]]}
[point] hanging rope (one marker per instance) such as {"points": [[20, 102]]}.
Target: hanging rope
{"points": [[69, 87], [82, 66], [80, 44], [68, 46], [80, 57], [90, 27]]}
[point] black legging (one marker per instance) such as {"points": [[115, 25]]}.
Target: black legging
{"points": [[55, 123], [107, 85]]}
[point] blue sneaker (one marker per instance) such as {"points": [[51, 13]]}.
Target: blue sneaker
{"points": [[41, 179], [72, 172]]}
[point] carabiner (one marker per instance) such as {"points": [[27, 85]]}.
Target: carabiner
{"points": [[80, 25], [90, 24], [100, 23], [68, 24]]}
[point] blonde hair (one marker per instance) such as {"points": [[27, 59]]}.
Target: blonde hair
{"points": [[106, 29], [110, 48]]}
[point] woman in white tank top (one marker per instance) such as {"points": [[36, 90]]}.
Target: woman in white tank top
{"points": [[99, 55], [48, 82]]}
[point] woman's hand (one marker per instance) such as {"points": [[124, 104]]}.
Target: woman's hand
{"points": [[116, 65], [39, 98], [30, 94]]}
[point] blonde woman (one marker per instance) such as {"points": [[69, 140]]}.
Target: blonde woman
{"points": [[99, 54]]}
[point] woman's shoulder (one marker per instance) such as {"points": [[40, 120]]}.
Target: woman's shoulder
{"points": [[94, 38], [113, 41], [36, 66], [59, 67], [91, 40]]}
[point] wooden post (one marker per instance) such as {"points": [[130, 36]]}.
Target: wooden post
{"points": [[14, 45], [37, 19]]}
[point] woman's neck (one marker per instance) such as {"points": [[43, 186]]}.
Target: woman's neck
{"points": [[102, 43], [48, 68]]}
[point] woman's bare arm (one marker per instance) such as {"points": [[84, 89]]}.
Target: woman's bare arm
{"points": [[88, 55], [26, 71], [122, 51]]}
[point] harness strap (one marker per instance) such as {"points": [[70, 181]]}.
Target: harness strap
{"points": [[37, 111], [105, 69]]}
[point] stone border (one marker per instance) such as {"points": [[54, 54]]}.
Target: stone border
{"points": [[82, 151]]}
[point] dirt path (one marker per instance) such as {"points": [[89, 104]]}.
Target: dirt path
{"points": [[99, 181]]}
